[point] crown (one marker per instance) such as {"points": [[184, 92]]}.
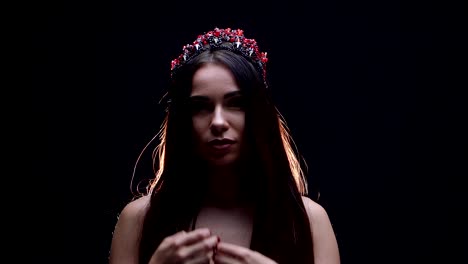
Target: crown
{"points": [[213, 40]]}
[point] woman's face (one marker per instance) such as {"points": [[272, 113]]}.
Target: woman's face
{"points": [[217, 114]]}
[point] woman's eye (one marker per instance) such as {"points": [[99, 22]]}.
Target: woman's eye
{"points": [[196, 107], [237, 102]]}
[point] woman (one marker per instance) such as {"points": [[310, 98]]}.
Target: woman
{"points": [[229, 187]]}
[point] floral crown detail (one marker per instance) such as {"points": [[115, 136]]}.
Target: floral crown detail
{"points": [[215, 39]]}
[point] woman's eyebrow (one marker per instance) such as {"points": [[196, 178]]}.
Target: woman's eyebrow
{"points": [[232, 94], [206, 98], [199, 98]]}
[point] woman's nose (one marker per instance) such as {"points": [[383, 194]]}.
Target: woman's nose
{"points": [[219, 123]]}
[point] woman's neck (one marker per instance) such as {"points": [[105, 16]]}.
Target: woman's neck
{"points": [[224, 189]]}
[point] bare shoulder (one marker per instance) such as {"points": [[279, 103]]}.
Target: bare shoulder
{"points": [[125, 239], [133, 213], [323, 235], [136, 208], [315, 211]]}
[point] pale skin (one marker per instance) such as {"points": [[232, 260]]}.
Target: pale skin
{"points": [[224, 224]]}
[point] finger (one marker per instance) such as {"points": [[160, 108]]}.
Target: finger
{"points": [[202, 248], [225, 259], [179, 234], [232, 250], [170, 239], [195, 236], [184, 239], [204, 259]]}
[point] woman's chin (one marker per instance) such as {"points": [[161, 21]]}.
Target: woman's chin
{"points": [[224, 161]]}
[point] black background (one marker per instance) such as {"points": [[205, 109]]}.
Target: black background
{"points": [[372, 92]]}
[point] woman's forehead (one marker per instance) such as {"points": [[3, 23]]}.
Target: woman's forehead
{"points": [[213, 80]]}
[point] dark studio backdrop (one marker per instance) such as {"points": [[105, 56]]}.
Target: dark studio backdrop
{"points": [[371, 92]]}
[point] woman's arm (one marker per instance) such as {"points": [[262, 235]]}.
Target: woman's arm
{"points": [[323, 236], [125, 239], [196, 246]]}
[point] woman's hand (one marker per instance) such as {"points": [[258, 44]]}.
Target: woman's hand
{"points": [[192, 247], [232, 254]]}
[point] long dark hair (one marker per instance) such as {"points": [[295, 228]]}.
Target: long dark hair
{"points": [[274, 181]]}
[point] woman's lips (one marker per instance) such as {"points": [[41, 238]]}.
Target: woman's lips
{"points": [[221, 144]]}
